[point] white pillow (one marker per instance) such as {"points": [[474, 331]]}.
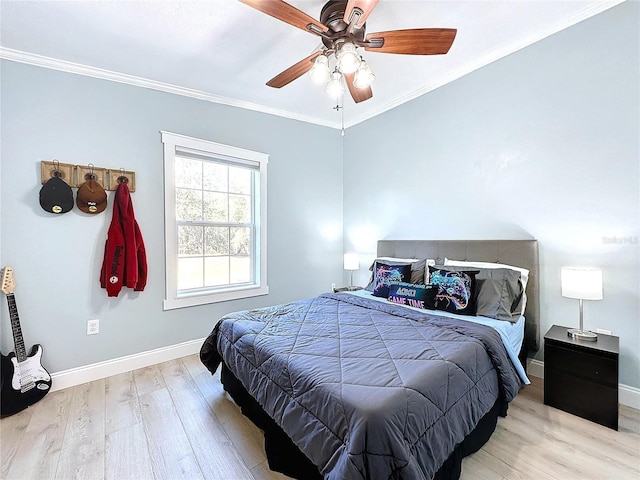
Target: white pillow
{"points": [[524, 273], [395, 259]]}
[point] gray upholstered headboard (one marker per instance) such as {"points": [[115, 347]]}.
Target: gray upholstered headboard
{"points": [[521, 253]]}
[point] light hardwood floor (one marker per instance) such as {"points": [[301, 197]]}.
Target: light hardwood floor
{"points": [[173, 420]]}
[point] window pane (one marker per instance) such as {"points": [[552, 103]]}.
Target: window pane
{"points": [[189, 273], [215, 237], [239, 180], [190, 241], [240, 240], [188, 173], [239, 209], [216, 241], [216, 271], [215, 177], [188, 205], [240, 269], [216, 207]]}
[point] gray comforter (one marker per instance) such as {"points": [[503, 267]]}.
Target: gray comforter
{"points": [[366, 390]]}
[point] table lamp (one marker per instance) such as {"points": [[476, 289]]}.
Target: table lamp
{"points": [[584, 284], [351, 263]]}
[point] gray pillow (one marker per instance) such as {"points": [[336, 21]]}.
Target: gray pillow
{"points": [[499, 292]]}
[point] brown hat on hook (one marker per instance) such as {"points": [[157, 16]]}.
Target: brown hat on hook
{"points": [[91, 197]]}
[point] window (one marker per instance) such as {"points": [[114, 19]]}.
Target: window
{"points": [[215, 222]]}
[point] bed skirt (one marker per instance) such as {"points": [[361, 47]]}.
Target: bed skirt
{"points": [[285, 457]]}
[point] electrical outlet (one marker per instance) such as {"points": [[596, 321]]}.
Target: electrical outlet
{"points": [[93, 326]]}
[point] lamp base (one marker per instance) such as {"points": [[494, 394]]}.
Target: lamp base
{"points": [[578, 334]]}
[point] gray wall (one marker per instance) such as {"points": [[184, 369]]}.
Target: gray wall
{"points": [[542, 144], [47, 114]]}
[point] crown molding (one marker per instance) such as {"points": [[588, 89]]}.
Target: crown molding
{"points": [[94, 72]]}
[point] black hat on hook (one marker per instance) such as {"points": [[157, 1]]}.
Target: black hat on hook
{"points": [[56, 195]]}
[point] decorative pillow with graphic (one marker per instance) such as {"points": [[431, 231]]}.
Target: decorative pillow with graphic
{"points": [[417, 269], [499, 292], [386, 275], [456, 290], [524, 274], [414, 295]]}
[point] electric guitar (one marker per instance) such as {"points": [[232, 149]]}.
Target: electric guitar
{"points": [[24, 379]]}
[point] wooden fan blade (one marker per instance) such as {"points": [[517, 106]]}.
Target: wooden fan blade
{"points": [[288, 14], [366, 6], [418, 41], [358, 94], [294, 71]]}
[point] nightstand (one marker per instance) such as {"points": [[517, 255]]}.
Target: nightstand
{"points": [[582, 377], [346, 289]]}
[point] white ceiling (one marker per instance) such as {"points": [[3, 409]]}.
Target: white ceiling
{"points": [[224, 51]]}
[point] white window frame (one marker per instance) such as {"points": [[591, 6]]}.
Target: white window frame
{"points": [[173, 144]]}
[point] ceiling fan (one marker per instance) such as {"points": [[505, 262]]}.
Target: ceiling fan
{"points": [[342, 30]]}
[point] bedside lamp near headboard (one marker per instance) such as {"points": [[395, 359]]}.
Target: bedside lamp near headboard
{"points": [[351, 263], [584, 284]]}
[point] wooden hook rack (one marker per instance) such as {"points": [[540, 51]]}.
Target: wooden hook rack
{"points": [[76, 175]]}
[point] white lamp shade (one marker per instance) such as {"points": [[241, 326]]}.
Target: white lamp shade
{"points": [[348, 58], [320, 73], [581, 282], [335, 87], [364, 77], [351, 261]]}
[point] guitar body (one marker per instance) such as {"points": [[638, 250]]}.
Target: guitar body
{"points": [[23, 383], [24, 379]]}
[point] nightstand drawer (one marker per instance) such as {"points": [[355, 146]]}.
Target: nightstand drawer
{"points": [[600, 368], [590, 400]]}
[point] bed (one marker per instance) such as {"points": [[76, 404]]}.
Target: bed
{"points": [[347, 386]]}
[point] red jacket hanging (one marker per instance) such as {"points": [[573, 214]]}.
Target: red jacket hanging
{"points": [[125, 258]]}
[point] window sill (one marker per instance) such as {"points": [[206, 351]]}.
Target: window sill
{"points": [[192, 301]]}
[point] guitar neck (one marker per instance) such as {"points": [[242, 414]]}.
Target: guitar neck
{"points": [[18, 341]]}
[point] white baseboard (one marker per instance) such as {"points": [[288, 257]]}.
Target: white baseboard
{"points": [[96, 371], [535, 368], [627, 395]]}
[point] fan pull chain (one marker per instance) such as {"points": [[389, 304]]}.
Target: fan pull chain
{"points": [[340, 109]]}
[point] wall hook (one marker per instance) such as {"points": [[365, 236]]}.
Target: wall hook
{"points": [[122, 178], [75, 175]]}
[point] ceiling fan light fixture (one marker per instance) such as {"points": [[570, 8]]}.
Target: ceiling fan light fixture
{"points": [[348, 58], [364, 77], [335, 87], [342, 30], [320, 73]]}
